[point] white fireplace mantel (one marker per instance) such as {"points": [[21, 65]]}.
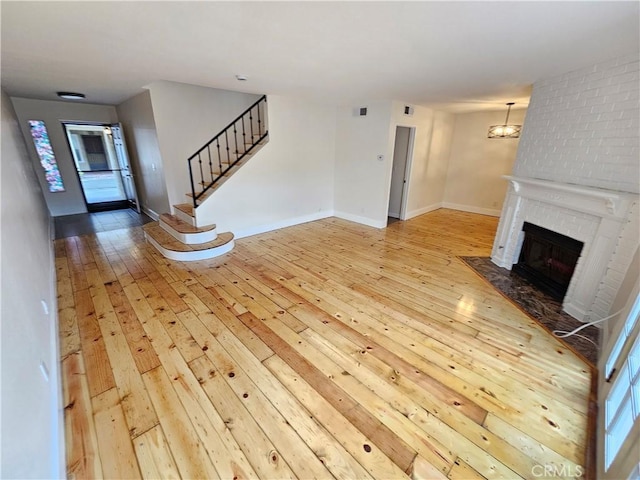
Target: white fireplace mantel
{"points": [[603, 220], [595, 201]]}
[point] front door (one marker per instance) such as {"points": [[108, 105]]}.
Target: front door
{"points": [[101, 160]]}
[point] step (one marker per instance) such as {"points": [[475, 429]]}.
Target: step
{"points": [[173, 249], [185, 212], [185, 232]]}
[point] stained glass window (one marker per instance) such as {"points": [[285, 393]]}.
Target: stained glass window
{"points": [[45, 152]]}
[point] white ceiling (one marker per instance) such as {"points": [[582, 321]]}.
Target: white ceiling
{"points": [[460, 56]]}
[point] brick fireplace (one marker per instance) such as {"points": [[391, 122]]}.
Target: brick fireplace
{"points": [[577, 174], [605, 221]]}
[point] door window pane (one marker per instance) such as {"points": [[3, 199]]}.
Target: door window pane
{"points": [[622, 406], [102, 187]]}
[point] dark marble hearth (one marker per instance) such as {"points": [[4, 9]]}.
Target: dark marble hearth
{"points": [[541, 307]]}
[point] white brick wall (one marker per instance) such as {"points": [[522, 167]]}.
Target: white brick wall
{"points": [[626, 246], [583, 128]]}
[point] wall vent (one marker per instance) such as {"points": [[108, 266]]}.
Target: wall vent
{"points": [[362, 111], [408, 110]]}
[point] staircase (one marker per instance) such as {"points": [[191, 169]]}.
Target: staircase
{"points": [[178, 236]]}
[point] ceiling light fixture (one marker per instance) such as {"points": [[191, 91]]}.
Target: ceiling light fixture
{"points": [[71, 95], [241, 78], [506, 130]]}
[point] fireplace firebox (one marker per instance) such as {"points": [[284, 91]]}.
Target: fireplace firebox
{"points": [[548, 259]]}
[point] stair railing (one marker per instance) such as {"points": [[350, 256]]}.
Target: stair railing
{"points": [[230, 146]]}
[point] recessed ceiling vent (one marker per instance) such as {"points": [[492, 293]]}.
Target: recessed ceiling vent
{"points": [[363, 111]]}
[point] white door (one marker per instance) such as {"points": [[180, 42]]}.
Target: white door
{"points": [[401, 151], [117, 134]]}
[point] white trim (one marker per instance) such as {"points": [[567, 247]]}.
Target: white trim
{"points": [[59, 463], [594, 201], [289, 222], [189, 238], [363, 220], [191, 255], [408, 168], [472, 209], [423, 210], [151, 213]]}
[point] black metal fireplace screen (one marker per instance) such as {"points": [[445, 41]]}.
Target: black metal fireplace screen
{"points": [[548, 259]]}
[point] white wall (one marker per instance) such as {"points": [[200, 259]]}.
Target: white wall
{"points": [[53, 113], [289, 181], [430, 156], [32, 428], [186, 117], [361, 180], [136, 115], [476, 163], [583, 128]]}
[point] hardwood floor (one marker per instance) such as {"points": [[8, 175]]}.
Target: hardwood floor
{"points": [[323, 350]]}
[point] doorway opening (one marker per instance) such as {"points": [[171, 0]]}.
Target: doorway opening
{"points": [[402, 153], [100, 156]]}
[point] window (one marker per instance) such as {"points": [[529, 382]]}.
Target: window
{"points": [[622, 406], [628, 327], [45, 152]]}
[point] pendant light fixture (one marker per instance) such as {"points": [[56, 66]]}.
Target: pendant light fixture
{"points": [[506, 130]]}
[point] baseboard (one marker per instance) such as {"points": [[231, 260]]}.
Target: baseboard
{"points": [[501, 263], [472, 209], [151, 213], [289, 222], [575, 312], [422, 211], [363, 220], [58, 448]]}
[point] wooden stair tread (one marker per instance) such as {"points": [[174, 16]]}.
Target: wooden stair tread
{"points": [[170, 243], [185, 208], [182, 226]]}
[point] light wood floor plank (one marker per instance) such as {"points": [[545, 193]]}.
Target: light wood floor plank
{"points": [[99, 372], [154, 455], [233, 323], [134, 399], [265, 458], [227, 457], [324, 350], [523, 413], [389, 441], [82, 456], [116, 451], [189, 453], [373, 459], [143, 353], [261, 394]]}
